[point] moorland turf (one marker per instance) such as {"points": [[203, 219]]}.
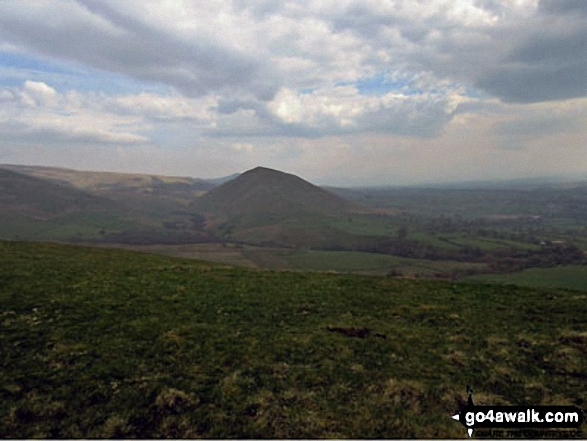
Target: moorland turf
{"points": [[111, 343]]}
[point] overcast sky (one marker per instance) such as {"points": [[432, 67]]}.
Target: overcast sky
{"points": [[339, 92]]}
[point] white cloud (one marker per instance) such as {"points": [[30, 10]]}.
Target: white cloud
{"points": [[344, 109], [37, 112], [243, 147], [409, 76], [6, 95], [338, 106], [163, 107], [37, 93]]}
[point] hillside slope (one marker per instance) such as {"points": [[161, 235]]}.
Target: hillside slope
{"points": [[38, 209], [263, 190], [45, 203], [96, 180], [111, 344], [42, 199], [138, 191]]}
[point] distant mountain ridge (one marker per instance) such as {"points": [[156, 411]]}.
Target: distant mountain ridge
{"points": [[99, 180], [142, 192], [257, 206], [39, 198], [47, 203], [264, 190], [222, 179]]}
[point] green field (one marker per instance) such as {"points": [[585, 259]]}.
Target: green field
{"points": [[310, 260], [229, 254], [67, 227], [342, 261], [569, 276], [488, 243], [370, 263], [367, 224], [112, 343]]}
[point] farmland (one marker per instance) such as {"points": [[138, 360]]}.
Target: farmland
{"points": [[268, 219], [568, 276]]}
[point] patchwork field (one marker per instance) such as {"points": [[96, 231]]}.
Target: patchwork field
{"points": [[568, 276], [371, 263], [309, 260], [113, 343], [268, 219]]}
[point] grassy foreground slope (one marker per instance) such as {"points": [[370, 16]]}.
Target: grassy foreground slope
{"points": [[111, 343]]}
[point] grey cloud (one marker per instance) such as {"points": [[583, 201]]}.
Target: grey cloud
{"points": [[194, 67], [546, 66], [370, 24], [517, 134], [553, 49], [230, 106], [535, 126], [360, 18], [258, 8], [563, 6], [534, 84], [7, 96], [15, 132], [518, 61], [478, 106], [272, 127], [414, 118], [6, 153], [415, 33], [494, 6]]}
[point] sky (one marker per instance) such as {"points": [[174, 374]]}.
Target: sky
{"points": [[339, 92]]}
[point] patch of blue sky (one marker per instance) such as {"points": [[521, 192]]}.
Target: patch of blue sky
{"points": [[8, 80], [16, 68], [384, 83], [26, 62], [307, 90], [474, 93]]}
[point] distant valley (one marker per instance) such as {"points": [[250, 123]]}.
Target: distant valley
{"points": [[265, 218]]}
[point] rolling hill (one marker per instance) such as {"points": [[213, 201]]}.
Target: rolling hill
{"points": [[96, 180], [34, 208], [139, 191], [268, 207], [38, 203], [142, 209], [264, 190], [42, 199], [38, 209]]}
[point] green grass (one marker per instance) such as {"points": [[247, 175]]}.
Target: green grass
{"points": [[371, 263], [489, 244], [342, 261], [367, 224], [458, 241], [308, 260], [231, 254], [570, 277], [112, 343], [436, 240], [71, 226]]}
